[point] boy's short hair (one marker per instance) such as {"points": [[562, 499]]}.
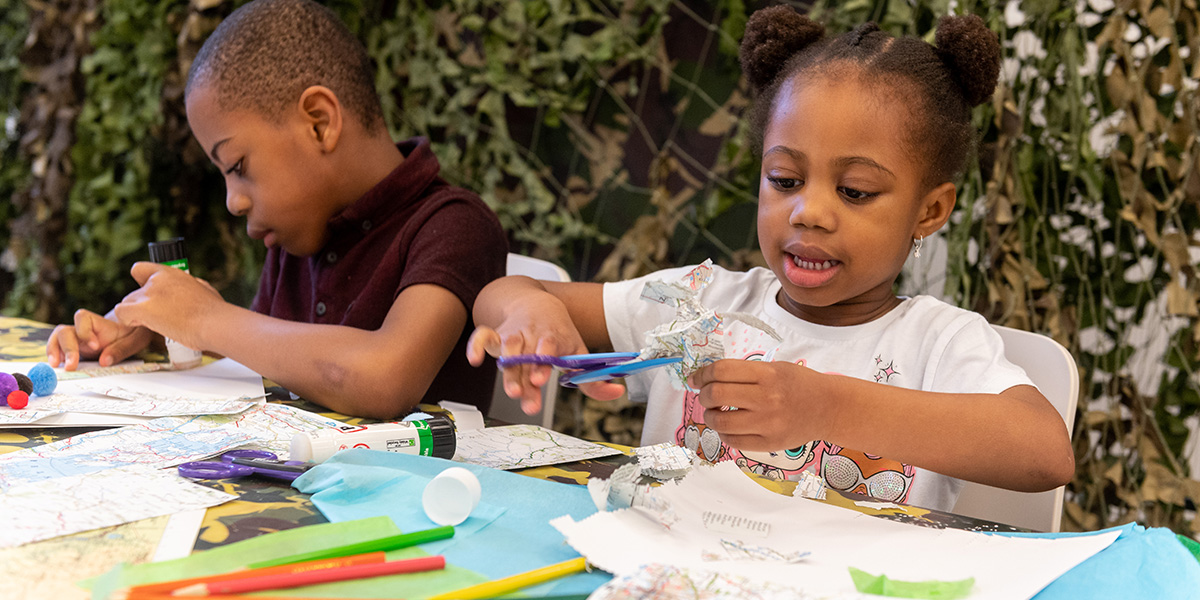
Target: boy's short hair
{"points": [[266, 53]]}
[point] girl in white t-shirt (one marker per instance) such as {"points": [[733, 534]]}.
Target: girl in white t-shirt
{"points": [[863, 135]]}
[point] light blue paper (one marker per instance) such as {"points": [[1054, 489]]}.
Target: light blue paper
{"points": [[342, 493], [358, 483], [1141, 563]]}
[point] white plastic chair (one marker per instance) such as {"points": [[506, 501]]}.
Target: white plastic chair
{"points": [[1053, 370], [504, 408]]}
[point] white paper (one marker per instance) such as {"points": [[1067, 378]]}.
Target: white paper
{"points": [[179, 536], [1003, 567], [466, 417], [85, 397], [46, 509], [522, 446]]}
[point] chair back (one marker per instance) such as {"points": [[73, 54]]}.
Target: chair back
{"points": [[504, 408], [1053, 371]]}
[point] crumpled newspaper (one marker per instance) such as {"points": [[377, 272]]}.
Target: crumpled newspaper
{"points": [[695, 332], [624, 489], [665, 460], [809, 485]]}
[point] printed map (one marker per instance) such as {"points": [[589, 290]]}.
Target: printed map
{"points": [[521, 446], [49, 569], [50, 508], [163, 442]]}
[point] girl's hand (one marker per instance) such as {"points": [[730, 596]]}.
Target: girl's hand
{"points": [[761, 406], [543, 334]]}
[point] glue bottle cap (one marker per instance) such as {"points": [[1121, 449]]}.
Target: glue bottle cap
{"points": [[167, 250], [444, 438]]}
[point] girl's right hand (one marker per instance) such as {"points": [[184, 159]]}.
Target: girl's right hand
{"points": [[524, 382]]}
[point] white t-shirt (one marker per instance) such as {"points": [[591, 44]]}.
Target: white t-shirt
{"points": [[922, 344]]}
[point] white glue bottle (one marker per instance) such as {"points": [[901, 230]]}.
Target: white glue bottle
{"points": [[428, 437], [170, 253]]}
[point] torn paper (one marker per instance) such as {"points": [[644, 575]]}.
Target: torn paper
{"points": [[695, 332]]}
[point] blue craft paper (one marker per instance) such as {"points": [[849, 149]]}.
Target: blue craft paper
{"points": [[1140, 563], [341, 494], [359, 483]]}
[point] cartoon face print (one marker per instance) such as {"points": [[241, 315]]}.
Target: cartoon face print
{"points": [[793, 460], [853, 471], [705, 442]]}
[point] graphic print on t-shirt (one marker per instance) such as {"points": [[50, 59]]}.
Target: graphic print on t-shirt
{"points": [[843, 468]]}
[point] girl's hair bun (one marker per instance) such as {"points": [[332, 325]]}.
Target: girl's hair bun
{"points": [[972, 53], [773, 35]]}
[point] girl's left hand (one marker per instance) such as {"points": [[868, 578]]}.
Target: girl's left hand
{"points": [[761, 406]]}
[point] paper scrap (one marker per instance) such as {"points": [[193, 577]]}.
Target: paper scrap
{"points": [[145, 406], [695, 332], [878, 505], [810, 485], [739, 550], [125, 368], [665, 460], [466, 417], [881, 585], [50, 508], [656, 581], [620, 542], [150, 390], [521, 446]]}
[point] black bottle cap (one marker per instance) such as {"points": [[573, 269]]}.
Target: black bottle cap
{"points": [[167, 250], [443, 431]]}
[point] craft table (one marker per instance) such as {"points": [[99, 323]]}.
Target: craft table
{"points": [[266, 506], [276, 506]]}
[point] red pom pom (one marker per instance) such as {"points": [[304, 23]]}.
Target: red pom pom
{"points": [[18, 399]]}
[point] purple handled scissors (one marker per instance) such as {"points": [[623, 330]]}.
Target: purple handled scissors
{"points": [[585, 368], [240, 463]]}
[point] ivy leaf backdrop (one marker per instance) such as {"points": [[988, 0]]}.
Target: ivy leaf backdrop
{"points": [[609, 137]]}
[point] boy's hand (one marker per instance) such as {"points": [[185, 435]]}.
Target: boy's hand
{"points": [[525, 382], [94, 336], [170, 302], [761, 406]]}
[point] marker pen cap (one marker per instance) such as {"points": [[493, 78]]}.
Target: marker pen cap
{"points": [[434, 436], [450, 496]]}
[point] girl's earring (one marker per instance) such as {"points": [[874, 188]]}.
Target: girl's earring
{"points": [[917, 243]]}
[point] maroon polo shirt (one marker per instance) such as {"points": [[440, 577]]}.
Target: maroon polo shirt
{"points": [[411, 228]]}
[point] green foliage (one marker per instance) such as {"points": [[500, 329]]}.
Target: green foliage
{"points": [[112, 202], [14, 21]]}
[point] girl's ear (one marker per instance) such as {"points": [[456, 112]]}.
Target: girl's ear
{"points": [[936, 207], [322, 114]]}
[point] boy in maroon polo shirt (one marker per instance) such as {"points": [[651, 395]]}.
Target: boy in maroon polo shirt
{"points": [[373, 261]]}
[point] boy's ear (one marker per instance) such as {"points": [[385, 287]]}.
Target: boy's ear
{"points": [[936, 207], [322, 113]]}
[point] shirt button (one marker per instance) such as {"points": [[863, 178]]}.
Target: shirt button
{"points": [[366, 225], [320, 309], [331, 257]]}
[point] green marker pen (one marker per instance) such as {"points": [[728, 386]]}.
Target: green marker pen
{"points": [[170, 252]]}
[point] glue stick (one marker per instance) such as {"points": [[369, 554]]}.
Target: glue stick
{"points": [[170, 253], [428, 437]]}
